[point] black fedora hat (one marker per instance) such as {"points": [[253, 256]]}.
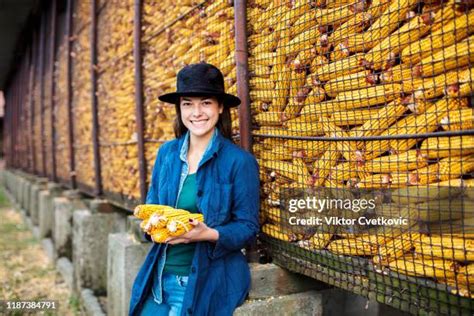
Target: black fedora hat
{"points": [[200, 79]]}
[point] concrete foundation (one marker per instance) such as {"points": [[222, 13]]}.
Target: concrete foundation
{"points": [[125, 257], [64, 207], [90, 240]]}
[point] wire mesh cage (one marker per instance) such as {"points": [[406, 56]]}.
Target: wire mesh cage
{"points": [[116, 110], [81, 96], [61, 120], [367, 103]]}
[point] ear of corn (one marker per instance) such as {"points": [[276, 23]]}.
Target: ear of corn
{"points": [[277, 232], [349, 82], [454, 56], [452, 32], [368, 96], [322, 166], [395, 248], [144, 211], [382, 27], [317, 242], [377, 123], [389, 47], [409, 160], [179, 225], [437, 268], [353, 117], [355, 24], [160, 235], [454, 167], [439, 147], [447, 247], [339, 68], [353, 247], [459, 120]]}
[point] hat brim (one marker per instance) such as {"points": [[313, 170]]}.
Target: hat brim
{"points": [[229, 100]]}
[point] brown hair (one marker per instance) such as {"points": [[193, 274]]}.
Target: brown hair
{"points": [[224, 124]]}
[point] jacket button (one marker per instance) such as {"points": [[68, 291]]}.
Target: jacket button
{"points": [[190, 311], [193, 269], [199, 193]]}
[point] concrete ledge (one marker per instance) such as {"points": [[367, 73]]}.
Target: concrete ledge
{"points": [[90, 303], [66, 269], [300, 304], [271, 280]]}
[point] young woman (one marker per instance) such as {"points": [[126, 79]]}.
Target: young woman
{"points": [[202, 272]]}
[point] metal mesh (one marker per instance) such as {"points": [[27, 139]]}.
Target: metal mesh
{"points": [[61, 120], [192, 32], [116, 97], [357, 101], [46, 136], [81, 96]]}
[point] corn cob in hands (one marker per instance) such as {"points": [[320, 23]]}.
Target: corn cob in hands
{"points": [[162, 221]]}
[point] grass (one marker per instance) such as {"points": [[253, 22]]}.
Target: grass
{"points": [[4, 202]]}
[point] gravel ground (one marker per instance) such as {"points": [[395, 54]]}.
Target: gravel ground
{"points": [[25, 272]]}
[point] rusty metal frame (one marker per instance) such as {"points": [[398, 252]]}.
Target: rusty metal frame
{"points": [[139, 111], [241, 60], [72, 164], [41, 78], [52, 58], [94, 99], [34, 53]]}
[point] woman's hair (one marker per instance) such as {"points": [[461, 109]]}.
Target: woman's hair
{"points": [[224, 124]]}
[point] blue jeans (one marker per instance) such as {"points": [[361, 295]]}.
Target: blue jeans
{"points": [[174, 287]]}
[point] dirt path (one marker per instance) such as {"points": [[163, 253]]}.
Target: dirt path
{"points": [[25, 272]]}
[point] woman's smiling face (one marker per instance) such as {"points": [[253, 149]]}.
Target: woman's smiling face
{"points": [[200, 114]]}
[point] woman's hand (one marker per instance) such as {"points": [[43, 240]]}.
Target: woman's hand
{"points": [[200, 232]]}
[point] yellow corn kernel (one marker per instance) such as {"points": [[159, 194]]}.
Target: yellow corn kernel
{"points": [[369, 96], [322, 166], [439, 147], [408, 160], [459, 120], [446, 246], [349, 82], [395, 248], [339, 68], [352, 247], [160, 235]]}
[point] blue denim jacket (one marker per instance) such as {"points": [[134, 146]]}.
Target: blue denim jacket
{"points": [[157, 289], [228, 196]]}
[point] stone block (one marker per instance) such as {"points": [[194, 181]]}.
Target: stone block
{"points": [[66, 269], [125, 257], [271, 280], [46, 209], [90, 303], [49, 249], [38, 186], [90, 241], [299, 304]]}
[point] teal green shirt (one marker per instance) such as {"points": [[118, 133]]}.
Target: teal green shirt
{"points": [[179, 257]]}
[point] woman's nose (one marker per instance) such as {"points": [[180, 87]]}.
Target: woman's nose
{"points": [[197, 110]]}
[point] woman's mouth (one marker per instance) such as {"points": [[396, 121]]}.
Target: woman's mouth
{"points": [[199, 123]]}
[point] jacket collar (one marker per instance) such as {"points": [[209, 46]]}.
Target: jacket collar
{"points": [[211, 151]]}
